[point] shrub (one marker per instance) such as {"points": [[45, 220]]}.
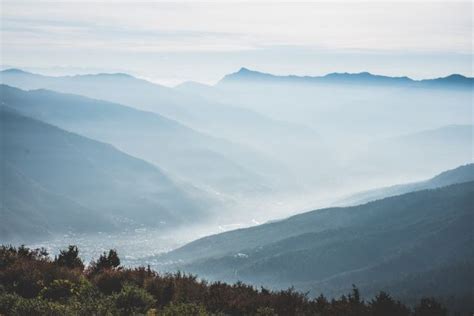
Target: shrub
{"points": [[265, 311], [109, 281], [132, 300], [24, 279], [188, 309], [7, 303], [430, 307], [16, 305], [384, 305], [33, 284], [58, 290]]}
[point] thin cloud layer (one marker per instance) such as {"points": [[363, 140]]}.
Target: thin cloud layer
{"points": [[77, 34]]}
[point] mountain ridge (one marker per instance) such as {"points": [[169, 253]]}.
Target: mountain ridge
{"points": [[100, 119], [332, 248], [47, 163], [245, 74], [464, 173]]}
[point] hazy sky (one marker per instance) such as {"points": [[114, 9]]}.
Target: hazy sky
{"points": [[173, 42]]}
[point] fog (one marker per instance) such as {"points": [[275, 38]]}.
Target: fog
{"points": [[250, 149]]}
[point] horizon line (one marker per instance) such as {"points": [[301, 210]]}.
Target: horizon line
{"points": [[241, 69]]}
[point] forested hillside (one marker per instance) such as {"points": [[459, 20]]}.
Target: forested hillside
{"points": [[401, 244], [34, 284]]}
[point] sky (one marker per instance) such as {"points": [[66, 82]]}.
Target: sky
{"points": [[172, 42]]}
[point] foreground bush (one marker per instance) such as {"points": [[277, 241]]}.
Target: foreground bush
{"points": [[33, 284]]}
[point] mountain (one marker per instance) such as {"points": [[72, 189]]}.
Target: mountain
{"points": [[245, 75], [276, 136], [54, 181], [458, 175], [346, 107], [376, 245], [279, 144], [200, 113], [211, 163], [375, 134], [29, 210], [286, 131], [134, 92], [118, 86], [454, 80]]}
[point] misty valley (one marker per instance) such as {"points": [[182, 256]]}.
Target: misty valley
{"points": [[311, 183]]}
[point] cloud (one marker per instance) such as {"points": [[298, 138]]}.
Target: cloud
{"points": [[97, 33], [208, 26]]}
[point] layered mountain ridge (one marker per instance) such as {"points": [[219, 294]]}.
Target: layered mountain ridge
{"points": [[60, 182], [388, 243], [247, 75]]}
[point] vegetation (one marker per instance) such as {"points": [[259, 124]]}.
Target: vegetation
{"points": [[412, 245], [31, 283]]}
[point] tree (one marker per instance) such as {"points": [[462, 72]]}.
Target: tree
{"points": [[106, 261], [70, 258], [321, 303], [430, 307], [132, 300], [355, 304], [188, 309], [384, 305]]}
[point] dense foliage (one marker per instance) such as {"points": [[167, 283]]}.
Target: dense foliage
{"points": [[31, 283]]}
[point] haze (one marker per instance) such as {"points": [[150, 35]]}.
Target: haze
{"points": [[170, 43], [306, 145]]}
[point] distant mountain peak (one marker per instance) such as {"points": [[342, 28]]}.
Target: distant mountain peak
{"points": [[454, 78], [15, 71], [365, 75], [245, 70], [247, 75], [248, 72]]}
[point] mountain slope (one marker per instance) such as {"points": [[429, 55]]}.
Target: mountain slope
{"points": [[350, 106], [54, 180], [364, 124], [28, 209], [209, 162], [354, 111], [458, 175], [279, 123], [330, 249], [268, 233], [200, 113], [279, 144]]}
